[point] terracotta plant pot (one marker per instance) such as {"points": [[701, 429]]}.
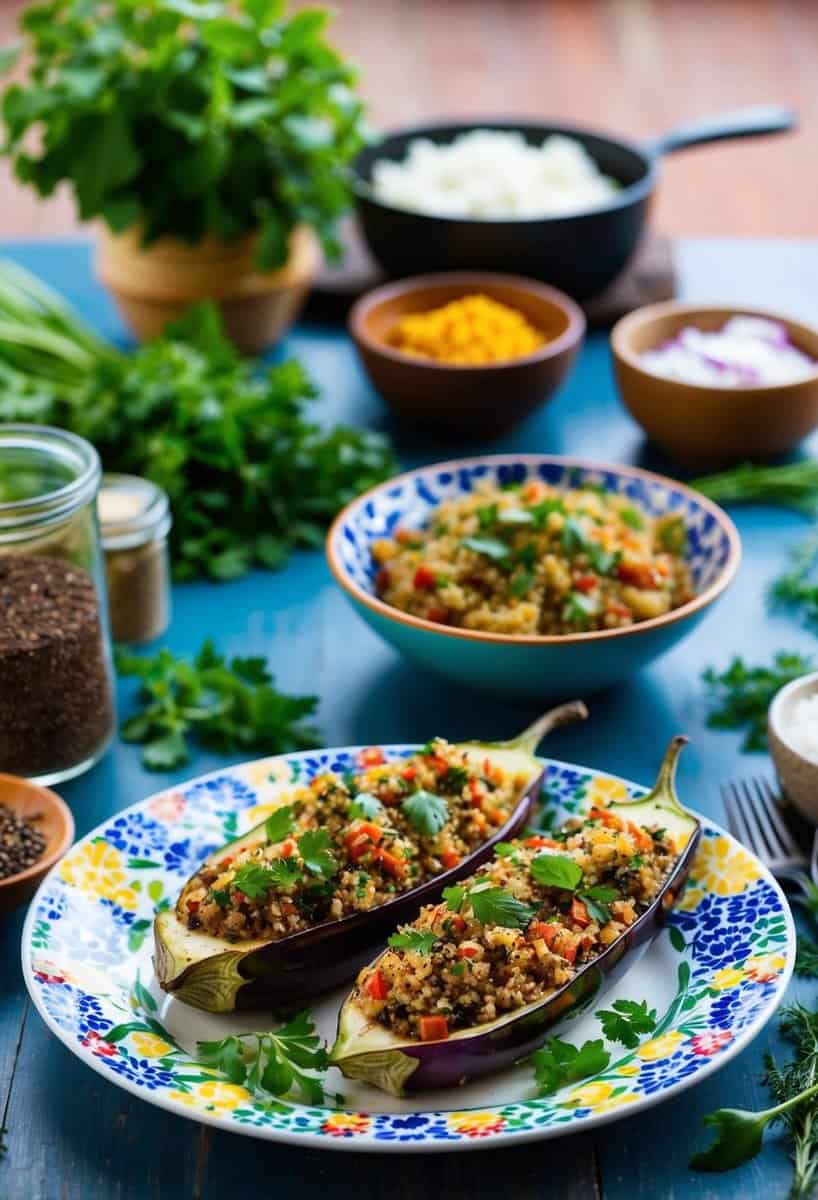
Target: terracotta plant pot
{"points": [[154, 285]]}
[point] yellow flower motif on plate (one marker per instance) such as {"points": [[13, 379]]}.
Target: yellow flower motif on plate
{"points": [[763, 968], [217, 1094], [603, 790], [660, 1047], [98, 870], [344, 1124], [475, 1124], [148, 1045], [628, 1069], [615, 1102], [589, 1095], [727, 977], [260, 812], [722, 867], [691, 899]]}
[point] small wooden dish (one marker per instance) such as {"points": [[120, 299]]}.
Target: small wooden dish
{"points": [[56, 825], [472, 401], [700, 425]]}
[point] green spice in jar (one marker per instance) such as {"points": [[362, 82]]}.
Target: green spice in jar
{"points": [[134, 518]]}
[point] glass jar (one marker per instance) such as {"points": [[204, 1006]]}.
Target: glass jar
{"points": [[56, 694], [134, 518]]}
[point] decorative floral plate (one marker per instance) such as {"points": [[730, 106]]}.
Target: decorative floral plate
{"points": [[714, 977]]}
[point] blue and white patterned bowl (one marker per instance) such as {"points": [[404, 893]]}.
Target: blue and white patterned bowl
{"points": [[528, 667]]}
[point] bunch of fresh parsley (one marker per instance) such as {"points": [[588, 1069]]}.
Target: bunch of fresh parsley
{"points": [[289, 1060], [225, 706], [742, 694], [247, 475], [187, 118]]}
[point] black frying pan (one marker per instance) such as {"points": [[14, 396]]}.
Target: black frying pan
{"points": [[580, 253]]}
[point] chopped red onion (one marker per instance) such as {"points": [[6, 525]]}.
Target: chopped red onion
{"points": [[745, 352]]}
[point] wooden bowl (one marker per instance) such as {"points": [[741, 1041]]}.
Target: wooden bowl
{"points": [[155, 285], [797, 774], [710, 426], [57, 826], [475, 401]]}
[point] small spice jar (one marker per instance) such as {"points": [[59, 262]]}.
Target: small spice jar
{"points": [[56, 693], [134, 517]]}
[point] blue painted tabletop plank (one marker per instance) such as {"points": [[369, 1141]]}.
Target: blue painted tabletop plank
{"points": [[74, 1135]]}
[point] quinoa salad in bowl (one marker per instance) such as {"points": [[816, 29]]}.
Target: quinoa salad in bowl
{"points": [[509, 572], [535, 558]]}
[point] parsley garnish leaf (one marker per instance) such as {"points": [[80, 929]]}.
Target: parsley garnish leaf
{"points": [[556, 870], [625, 1020], [313, 847], [427, 813], [494, 906], [559, 1063], [454, 897], [279, 824], [283, 1061], [365, 806], [491, 548], [421, 941]]}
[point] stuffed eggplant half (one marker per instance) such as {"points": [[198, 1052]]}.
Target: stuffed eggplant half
{"points": [[297, 904], [472, 985]]}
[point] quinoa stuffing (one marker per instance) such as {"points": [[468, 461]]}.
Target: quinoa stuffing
{"points": [[534, 559], [347, 845], [518, 928]]}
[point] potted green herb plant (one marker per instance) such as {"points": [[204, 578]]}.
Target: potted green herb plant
{"points": [[211, 138]]}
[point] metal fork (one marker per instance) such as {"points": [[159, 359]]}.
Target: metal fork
{"points": [[755, 818]]}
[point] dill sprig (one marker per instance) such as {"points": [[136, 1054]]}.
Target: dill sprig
{"points": [[806, 958], [794, 485], [797, 589], [799, 1078]]}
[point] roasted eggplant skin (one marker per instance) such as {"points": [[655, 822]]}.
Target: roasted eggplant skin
{"points": [[373, 1054], [218, 976]]}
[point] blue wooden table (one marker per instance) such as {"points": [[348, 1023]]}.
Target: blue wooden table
{"points": [[74, 1136]]}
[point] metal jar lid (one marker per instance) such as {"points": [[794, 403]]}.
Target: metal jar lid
{"points": [[132, 512]]}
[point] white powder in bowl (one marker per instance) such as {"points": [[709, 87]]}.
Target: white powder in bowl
{"points": [[494, 174], [802, 727]]}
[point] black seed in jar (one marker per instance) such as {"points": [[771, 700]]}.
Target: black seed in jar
{"points": [[56, 707], [21, 843]]}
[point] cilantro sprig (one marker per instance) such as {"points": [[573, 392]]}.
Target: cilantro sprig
{"points": [[283, 1062], [426, 812], [419, 940], [495, 906], [225, 706], [626, 1020], [559, 1063], [741, 695]]}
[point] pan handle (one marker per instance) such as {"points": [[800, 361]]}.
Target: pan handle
{"points": [[741, 122]]}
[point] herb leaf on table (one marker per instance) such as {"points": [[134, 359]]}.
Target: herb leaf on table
{"points": [[794, 1086], [806, 958], [625, 1020], [797, 589], [794, 485], [741, 695], [559, 1063], [225, 706], [281, 1062]]}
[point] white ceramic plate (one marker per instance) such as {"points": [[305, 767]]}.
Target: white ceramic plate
{"points": [[714, 977]]}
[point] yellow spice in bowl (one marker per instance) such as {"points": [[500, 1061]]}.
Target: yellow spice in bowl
{"points": [[469, 332]]}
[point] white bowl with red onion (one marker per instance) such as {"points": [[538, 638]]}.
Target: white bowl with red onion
{"points": [[714, 385]]}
